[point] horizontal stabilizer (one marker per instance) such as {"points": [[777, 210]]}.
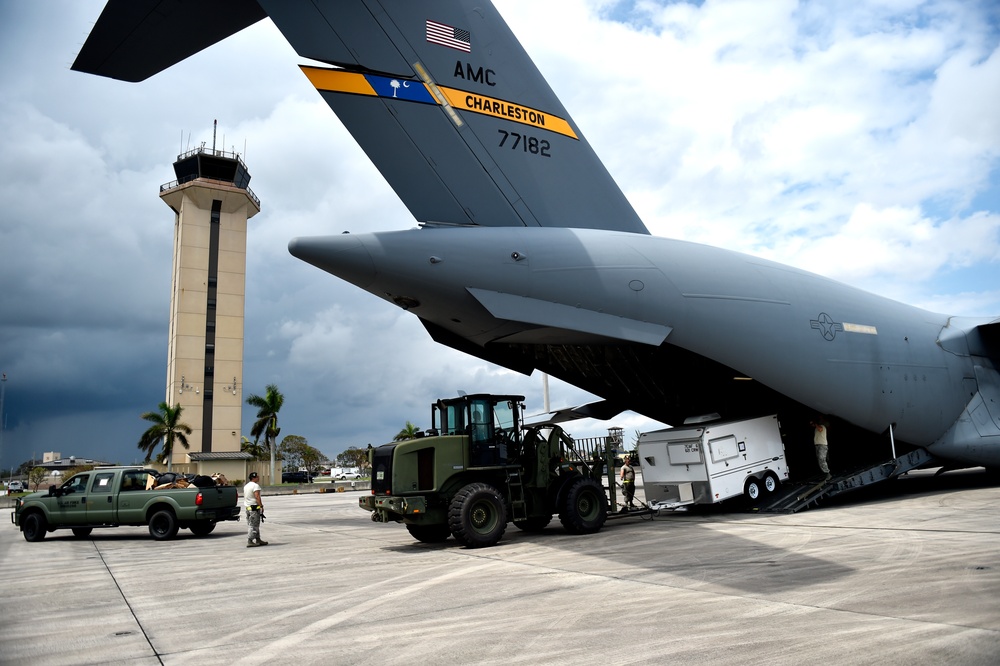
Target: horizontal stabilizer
{"points": [[134, 39]]}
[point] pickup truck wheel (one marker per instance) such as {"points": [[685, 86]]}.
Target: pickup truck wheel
{"points": [[163, 525], [476, 517], [33, 527], [81, 532], [203, 528], [585, 507], [429, 533]]}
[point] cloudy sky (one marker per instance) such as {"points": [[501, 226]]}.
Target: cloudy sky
{"points": [[857, 140]]}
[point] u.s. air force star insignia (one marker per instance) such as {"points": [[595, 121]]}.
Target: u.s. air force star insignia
{"points": [[826, 325]]}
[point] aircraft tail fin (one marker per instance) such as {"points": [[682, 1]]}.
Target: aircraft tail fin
{"points": [[453, 112]]}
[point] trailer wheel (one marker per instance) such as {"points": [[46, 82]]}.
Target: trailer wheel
{"points": [[534, 524], [752, 489], [203, 528], [476, 516], [33, 527], [82, 532], [429, 533], [585, 507], [770, 482], [163, 525]]}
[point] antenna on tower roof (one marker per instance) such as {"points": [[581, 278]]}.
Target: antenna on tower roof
{"points": [[215, 125]]}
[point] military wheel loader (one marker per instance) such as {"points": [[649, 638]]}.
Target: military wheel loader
{"points": [[479, 467]]}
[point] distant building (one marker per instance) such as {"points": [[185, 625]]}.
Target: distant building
{"points": [[53, 463]]}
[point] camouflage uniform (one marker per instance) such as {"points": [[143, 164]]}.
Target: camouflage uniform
{"points": [[254, 507], [822, 447], [628, 481]]}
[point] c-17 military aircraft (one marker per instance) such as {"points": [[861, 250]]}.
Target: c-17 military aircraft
{"points": [[529, 256]]}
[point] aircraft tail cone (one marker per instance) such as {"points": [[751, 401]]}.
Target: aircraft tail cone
{"points": [[344, 256]]}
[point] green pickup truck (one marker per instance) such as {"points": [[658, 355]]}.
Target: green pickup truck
{"points": [[113, 496]]}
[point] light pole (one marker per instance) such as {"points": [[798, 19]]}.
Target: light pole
{"points": [[3, 386]]}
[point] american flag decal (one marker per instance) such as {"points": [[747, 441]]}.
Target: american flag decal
{"points": [[446, 35]]}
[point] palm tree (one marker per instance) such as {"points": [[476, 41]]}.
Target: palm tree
{"points": [[409, 431], [266, 424], [166, 428], [253, 448]]}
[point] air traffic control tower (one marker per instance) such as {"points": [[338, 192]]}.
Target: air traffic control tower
{"points": [[212, 203]]}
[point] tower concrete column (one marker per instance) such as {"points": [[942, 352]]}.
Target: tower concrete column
{"points": [[212, 202]]}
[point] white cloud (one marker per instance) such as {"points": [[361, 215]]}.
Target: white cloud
{"points": [[794, 131]]}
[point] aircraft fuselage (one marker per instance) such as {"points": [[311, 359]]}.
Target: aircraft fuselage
{"points": [[835, 349]]}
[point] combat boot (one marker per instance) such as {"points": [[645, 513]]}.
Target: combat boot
{"points": [[251, 544], [260, 542]]}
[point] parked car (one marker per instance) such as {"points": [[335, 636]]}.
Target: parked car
{"points": [[343, 476], [17, 487], [296, 477]]}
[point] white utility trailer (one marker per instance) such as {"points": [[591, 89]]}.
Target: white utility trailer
{"points": [[708, 463]]}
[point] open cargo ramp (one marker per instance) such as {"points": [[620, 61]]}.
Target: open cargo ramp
{"points": [[803, 496]]}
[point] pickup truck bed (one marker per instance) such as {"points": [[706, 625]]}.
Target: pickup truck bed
{"points": [[110, 497]]}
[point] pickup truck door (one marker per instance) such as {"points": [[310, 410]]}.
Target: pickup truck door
{"points": [[132, 498], [101, 504], [70, 507]]}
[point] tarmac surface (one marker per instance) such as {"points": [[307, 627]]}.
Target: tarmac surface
{"points": [[908, 574]]}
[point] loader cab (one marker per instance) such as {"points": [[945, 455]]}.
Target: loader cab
{"points": [[492, 423]]}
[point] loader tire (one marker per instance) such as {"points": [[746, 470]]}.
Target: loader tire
{"points": [[536, 524], [429, 533], [585, 507], [476, 516]]}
